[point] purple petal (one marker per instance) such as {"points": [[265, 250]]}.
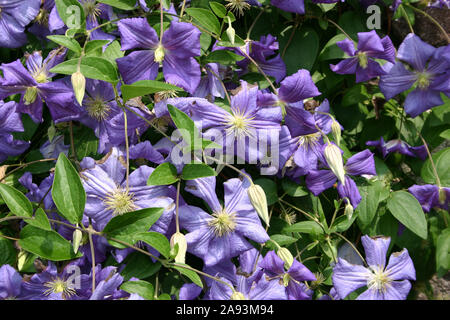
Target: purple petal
{"points": [[301, 273], [318, 181], [349, 277], [350, 190], [401, 267], [182, 40], [398, 79], [205, 188], [298, 87], [415, 52], [138, 65], [182, 72], [361, 163], [420, 100], [376, 250], [136, 33], [297, 6]]}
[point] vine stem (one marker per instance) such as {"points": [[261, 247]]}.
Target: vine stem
{"points": [[254, 23], [405, 15], [25, 165], [431, 19], [177, 220], [91, 245]]}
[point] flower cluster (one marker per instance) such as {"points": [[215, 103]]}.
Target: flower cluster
{"points": [[151, 139]]}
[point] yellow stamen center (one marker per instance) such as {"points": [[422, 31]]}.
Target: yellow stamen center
{"points": [[379, 280], [309, 140], [362, 59], [238, 6], [58, 285], [120, 201], [223, 223], [423, 80], [239, 125]]}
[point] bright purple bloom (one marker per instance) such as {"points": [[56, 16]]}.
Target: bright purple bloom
{"points": [[242, 129], [180, 44], [10, 283], [248, 279], [209, 86], [429, 74], [295, 6], [189, 291], [275, 267], [361, 163], [10, 121], [306, 140], [293, 90], [399, 146], [35, 86], [263, 52], [383, 282], [69, 284], [370, 47], [36, 193], [15, 16], [145, 150], [221, 235], [431, 196], [108, 195], [101, 113], [108, 281]]}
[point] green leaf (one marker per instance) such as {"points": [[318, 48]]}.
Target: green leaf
{"points": [[406, 209], [113, 52], [143, 87], [8, 254], [224, 57], [190, 274], [16, 201], [139, 266], [68, 191], [370, 197], [124, 227], [218, 8], [187, 127], [197, 170], [72, 13], [296, 56], [156, 240], [441, 160], [331, 51], [293, 189], [91, 67], [67, 42], [281, 239], [164, 296], [120, 4], [443, 252], [93, 45], [49, 245], [142, 288], [205, 18], [270, 189], [309, 227], [40, 220], [164, 174]]}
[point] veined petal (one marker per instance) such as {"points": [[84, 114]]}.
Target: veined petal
{"points": [[349, 277], [361, 163], [298, 87], [136, 33], [400, 266], [318, 181], [415, 52], [205, 188], [183, 72], [398, 79], [376, 250], [138, 65]]}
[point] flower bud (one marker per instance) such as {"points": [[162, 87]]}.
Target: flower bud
{"points": [[286, 256], [336, 130], [30, 95], [348, 211], [334, 159], [237, 296], [21, 260], [79, 85], [231, 33], [180, 239], [77, 237], [159, 54], [259, 201], [442, 196]]}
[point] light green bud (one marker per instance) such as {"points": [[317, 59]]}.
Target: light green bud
{"points": [[334, 159], [179, 239], [79, 86], [259, 201]]}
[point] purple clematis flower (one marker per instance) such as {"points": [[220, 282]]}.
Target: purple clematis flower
{"points": [[431, 196], [383, 282], [248, 279], [295, 6], [221, 235], [15, 15], [244, 128], [108, 194], [370, 47], [293, 90], [108, 281], [210, 86], [361, 163], [306, 140], [35, 86], [10, 283], [102, 114], [69, 284], [274, 267], [189, 291], [443, 4], [37, 193], [430, 75], [10, 121], [399, 146], [263, 52], [176, 51]]}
